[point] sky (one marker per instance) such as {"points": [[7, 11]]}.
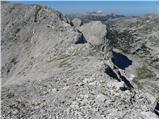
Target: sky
{"points": [[128, 8]]}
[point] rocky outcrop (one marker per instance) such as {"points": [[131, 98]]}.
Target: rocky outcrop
{"points": [[76, 22], [50, 69], [35, 30], [95, 33]]}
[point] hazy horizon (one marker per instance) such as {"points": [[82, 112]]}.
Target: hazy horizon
{"points": [[127, 8]]}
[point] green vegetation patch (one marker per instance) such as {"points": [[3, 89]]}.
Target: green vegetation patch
{"points": [[136, 81], [143, 73]]}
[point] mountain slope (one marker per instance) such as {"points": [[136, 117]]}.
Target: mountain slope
{"points": [[51, 69], [138, 38]]}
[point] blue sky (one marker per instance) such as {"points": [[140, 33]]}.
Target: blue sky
{"points": [[120, 7]]}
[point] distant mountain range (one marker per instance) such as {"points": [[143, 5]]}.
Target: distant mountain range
{"points": [[95, 16]]}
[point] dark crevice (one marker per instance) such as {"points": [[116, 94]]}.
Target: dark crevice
{"points": [[132, 99], [71, 23], [37, 9], [8, 71], [124, 79], [111, 73], [126, 82], [114, 75], [123, 88], [156, 110], [17, 30], [120, 60], [103, 48], [81, 40]]}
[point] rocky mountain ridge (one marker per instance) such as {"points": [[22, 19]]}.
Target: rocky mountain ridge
{"points": [[53, 69]]}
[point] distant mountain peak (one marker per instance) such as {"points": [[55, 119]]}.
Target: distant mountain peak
{"points": [[99, 11]]}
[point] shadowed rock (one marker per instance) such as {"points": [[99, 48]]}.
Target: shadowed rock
{"points": [[121, 60], [156, 110], [111, 73]]}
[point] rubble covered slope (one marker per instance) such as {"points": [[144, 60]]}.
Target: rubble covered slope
{"points": [[52, 69]]}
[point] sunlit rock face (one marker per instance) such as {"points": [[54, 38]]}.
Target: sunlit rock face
{"points": [[96, 34]]}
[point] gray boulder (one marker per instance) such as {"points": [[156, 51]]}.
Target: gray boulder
{"points": [[76, 22], [95, 33]]}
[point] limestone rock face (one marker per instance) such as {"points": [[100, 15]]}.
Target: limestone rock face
{"points": [[33, 36], [50, 69], [94, 32]]}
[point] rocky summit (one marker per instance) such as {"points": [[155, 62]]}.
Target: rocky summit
{"points": [[53, 67]]}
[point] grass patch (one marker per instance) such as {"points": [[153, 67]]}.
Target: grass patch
{"points": [[131, 89], [144, 72], [138, 83]]}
